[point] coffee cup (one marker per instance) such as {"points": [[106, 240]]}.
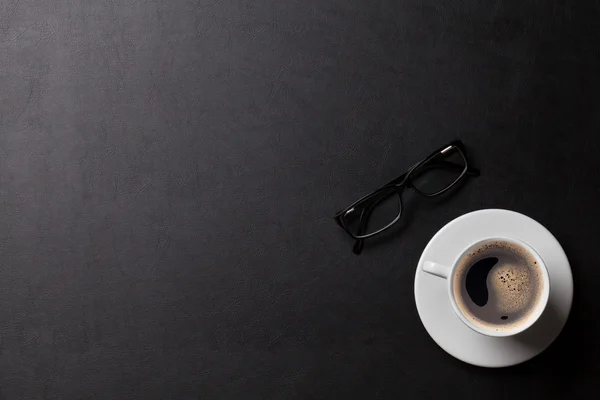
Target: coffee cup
{"points": [[497, 286]]}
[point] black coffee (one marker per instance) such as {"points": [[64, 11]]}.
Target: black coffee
{"points": [[498, 285], [476, 280]]}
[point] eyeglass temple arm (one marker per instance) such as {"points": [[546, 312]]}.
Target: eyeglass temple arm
{"points": [[444, 164], [366, 213]]}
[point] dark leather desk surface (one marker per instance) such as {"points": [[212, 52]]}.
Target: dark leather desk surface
{"points": [[169, 169]]}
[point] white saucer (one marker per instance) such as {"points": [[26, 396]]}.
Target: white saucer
{"points": [[444, 326]]}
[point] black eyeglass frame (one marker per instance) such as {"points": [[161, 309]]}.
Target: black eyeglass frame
{"points": [[397, 186]]}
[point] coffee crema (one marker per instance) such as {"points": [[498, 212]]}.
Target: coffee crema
{"points": [[497, 285]]}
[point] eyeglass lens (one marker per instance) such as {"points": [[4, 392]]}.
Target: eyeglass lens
{"points": [[439, 173], [375, 213]]}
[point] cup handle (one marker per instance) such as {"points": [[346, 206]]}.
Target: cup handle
{"points": [[436, 269]]}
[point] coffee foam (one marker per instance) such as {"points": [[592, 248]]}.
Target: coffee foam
{"points": [[514, 285]]}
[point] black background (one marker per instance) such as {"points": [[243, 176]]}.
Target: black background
{"points": [[169, 169]]}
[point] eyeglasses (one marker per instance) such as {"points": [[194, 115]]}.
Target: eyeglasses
{"points": [[380, 210]]}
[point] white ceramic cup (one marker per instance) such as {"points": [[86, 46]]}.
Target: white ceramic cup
{"points": [[447, 272]]}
